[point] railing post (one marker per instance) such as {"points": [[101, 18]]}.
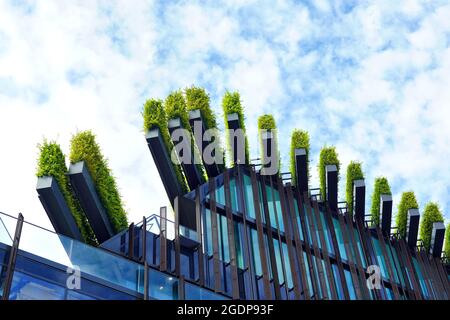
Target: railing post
{"points": [[12, 258]]}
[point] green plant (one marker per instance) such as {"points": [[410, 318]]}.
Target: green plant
{"points": [[354, 172], [328, 156], [267, 122], [84, 148], [197, 98], [51, 162], [381, 186], [431, 215], [175, 106], [299, 140], [447, 241], [231, 103], [155, 117], [408, 201]]}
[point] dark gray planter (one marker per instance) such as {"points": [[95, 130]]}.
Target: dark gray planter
{"points": [[163, 163], [412, 227], [331, 175], [193, 176], [437, 239], [236, 144], [359, 205], [267, 138], [301, 170], [385, 214], [84, 188], [196, 119], [56, 207]]}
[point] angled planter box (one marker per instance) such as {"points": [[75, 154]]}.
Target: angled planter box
{"points": [[56, 207], [385, 214], [235, 143], [359, 193], [437, 239], [412, 227], [84, 188], [268, 140], [193, 176], [163, 163], [332, 186], [198, 128], [301, 170]]}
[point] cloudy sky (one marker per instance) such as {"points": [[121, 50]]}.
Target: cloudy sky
{"points": [[371, 77]]}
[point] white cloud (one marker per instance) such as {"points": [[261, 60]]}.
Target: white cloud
{"points": [[365, 80]]}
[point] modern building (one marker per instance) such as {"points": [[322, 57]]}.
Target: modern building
{"points": [[240, 235]]}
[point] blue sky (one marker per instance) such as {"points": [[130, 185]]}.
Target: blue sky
{"points": [[371, 77]]}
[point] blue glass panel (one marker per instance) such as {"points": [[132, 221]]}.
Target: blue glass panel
{"points": [[193, 292], [256, 253], [380, 258], [299, 223], [224, 249], [326, 279], [25, 287], [208, 232], [249, 201], [315, 226], [360, 249], [162, 286], [279, 262], [326, 230], [287, 263], [234, 195], [351, 289], [74, 295], [91, 260], [238, 240], [337, 277], [421, 278], [220, 195], [393, 264], [340, 239], [308, 273]]}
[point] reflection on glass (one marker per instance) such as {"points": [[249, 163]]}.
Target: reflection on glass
{"points": [[193, 292], [25, 287], [162, 286], [90, 260]]}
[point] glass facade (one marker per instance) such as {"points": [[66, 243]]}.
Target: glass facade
{"points": [[283, 246]]}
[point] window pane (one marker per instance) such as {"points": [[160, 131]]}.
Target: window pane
{"points": [[249, 204], [234, 195], [256, 253], [25, 287], [348, 280], [162, 286], [340, 239]]}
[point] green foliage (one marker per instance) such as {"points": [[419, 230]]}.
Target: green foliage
{"points": [[408, 201], [197, 98], [176, 107], [354, 172], [299, 140], [231, 103], [381, 186], [328, 156], [51, 162], [447, 241], [85, 148], [267, 122], [155, 117], [431, 214]]}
